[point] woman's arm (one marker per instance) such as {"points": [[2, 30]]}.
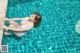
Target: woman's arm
{"points": [[6, 19], [20, 29], [14, 19]]}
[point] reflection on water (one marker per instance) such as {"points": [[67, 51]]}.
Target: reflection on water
{"points": [[18, 2]]}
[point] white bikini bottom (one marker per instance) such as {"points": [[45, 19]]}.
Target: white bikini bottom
{"points": [[20, 34]]}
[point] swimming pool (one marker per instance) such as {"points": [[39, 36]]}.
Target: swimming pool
{"points": [[56, 33]]}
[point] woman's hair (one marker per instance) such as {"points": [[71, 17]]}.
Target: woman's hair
{"points": [[37, 19]]}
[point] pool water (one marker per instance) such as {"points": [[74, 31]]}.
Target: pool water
{"points": [[56, 34]]}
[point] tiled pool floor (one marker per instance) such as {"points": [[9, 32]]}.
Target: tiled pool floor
{"points": [[56, 33]]}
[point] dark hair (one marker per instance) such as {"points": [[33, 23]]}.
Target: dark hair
{"points": [[37, 19]]}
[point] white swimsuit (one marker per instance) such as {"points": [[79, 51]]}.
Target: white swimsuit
{"points": [[28, 25]]}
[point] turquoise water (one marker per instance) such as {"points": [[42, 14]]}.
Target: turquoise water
{"points": [[56, 33]]}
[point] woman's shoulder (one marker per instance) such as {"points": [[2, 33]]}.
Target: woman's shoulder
{"points": [[25, 19]]}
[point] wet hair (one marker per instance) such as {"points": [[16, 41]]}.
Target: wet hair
{"points": [[37, 19]]}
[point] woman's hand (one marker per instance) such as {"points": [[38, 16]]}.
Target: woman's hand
{"points": [[1, 26]]}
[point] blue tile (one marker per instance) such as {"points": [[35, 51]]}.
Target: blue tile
{"points": [[57, 29]]}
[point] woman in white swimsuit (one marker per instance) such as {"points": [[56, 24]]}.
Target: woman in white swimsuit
{"points": [[27, 23]]}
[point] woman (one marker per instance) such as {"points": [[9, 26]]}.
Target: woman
{"points": [[26, 24]]}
